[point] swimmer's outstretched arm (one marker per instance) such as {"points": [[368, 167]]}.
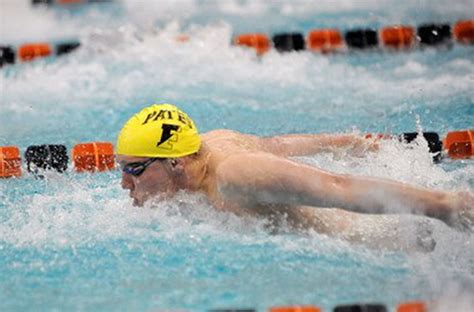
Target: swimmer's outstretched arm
{"points": [[268, 179], [310, 144]]}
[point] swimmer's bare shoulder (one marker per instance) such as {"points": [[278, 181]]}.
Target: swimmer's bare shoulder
{"points": [[227, 134], [224, 139], [218, 133]]}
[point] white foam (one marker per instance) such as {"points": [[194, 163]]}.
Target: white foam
{"points": [[410, 68], [410, 163], [151, 61], [23, 22]]}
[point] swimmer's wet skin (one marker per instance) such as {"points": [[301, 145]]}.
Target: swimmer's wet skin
{"points": [[161, 152]]}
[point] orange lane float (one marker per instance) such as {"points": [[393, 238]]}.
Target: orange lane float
{"points": [[28, 52], [414, 306], [460, 144], [464, 31], [95, 156], [10, 162], [296, 308], [324, 40], [397, 37], [260, 42]]}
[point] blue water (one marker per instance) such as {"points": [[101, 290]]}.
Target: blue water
{"points": [[74, 241]]}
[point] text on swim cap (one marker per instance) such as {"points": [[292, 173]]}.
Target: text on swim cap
{"points": [[168, 115], [166, 134]]}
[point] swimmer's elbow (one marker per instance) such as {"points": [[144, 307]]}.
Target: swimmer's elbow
{"points": [[274, 145]]}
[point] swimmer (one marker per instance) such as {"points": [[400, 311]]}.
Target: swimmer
{"points": [[161, 152]]}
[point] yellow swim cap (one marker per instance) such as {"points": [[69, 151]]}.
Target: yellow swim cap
{"points": [[160, 130]]}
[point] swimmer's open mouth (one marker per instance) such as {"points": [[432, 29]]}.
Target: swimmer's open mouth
{"points": [[137, 203]]}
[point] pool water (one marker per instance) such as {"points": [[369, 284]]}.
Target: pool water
{"points": [[74, 241]]}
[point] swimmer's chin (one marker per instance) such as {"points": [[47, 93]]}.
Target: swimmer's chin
{"points": [[139, 199], [140, 202], [137, 203]]}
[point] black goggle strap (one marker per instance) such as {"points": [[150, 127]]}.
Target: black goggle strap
{"points": [[136, 168]]}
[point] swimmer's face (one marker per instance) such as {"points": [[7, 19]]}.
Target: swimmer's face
{"points": [[155, 180]]}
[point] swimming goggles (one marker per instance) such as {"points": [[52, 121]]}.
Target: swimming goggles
{"points": [[137, 168]]}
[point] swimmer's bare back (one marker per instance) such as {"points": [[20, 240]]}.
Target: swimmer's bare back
{"points": [[252, 175]]}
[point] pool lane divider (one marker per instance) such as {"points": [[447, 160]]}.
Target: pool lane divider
{"points": [[10, 162], [260, 42], [456, 144], [464, 31], [459, 144], [86, 157], [434, 144], [362, 38], [411, 306], [7, 55], [324, 40], [233, 310], [95, 156], [30, 51], [99, 156], [434, 34], [46, 157], [66, 47], [395, 37], [398, 37], [295, 308], [286, 42], [370, 307]]}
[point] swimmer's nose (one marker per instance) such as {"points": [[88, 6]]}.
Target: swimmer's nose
{"points": [[127, 182]]}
